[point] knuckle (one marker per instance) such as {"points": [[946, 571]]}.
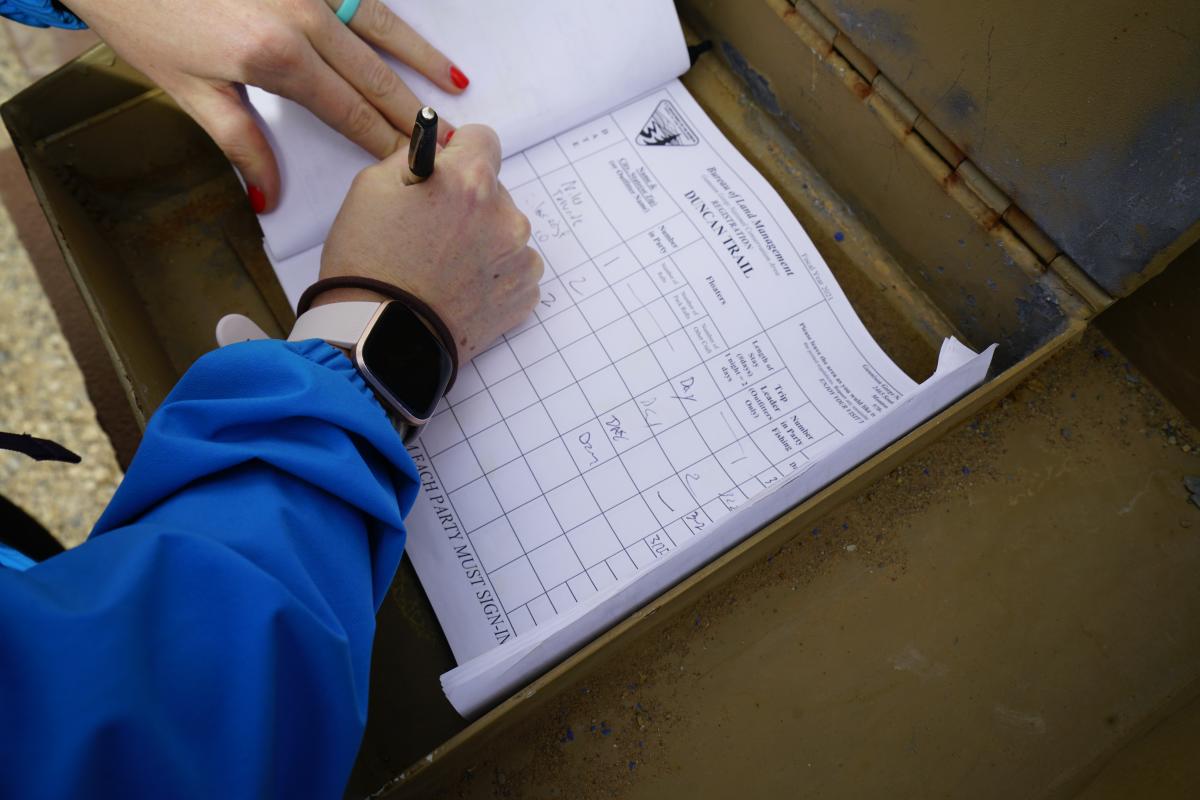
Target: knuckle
{"points": [[528, 302], [490, 139], [380, 79], [532, 269], [226, 129], [358, 119], [479, 175], [364, 178], [522, 229], [537, 268], [308, 17], [275, 50], [379, 20], [477, 181]]}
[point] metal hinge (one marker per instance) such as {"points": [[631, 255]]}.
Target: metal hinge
{"points": [[936, 153]]}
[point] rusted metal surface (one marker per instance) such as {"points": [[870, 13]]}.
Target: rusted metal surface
{"points": [[1086, 115], [149, 215], [990, 285]]}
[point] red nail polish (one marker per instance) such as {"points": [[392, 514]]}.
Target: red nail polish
{"points": [[449, 136], [258, 200], [458, 78]]}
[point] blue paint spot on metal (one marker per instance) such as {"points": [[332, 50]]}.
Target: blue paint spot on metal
{"points": [[759, 88], [966, 470], [876, 26], [1122, 198], [959, 102], [839, 236]]}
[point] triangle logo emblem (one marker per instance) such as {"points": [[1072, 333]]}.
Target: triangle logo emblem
{"points": [[667, 128]]}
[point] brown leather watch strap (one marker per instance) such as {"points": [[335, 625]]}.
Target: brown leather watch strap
{"points": [[418, 306]]}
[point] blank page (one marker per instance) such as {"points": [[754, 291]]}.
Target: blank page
{"points": [[537, 68]]}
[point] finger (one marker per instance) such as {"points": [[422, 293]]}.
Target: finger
{"points": [[363, 69], [377, 24], [532, 269], [523, 297], [328, 95], [472, 142], [220, 112], [478, 140], [518, 274]]}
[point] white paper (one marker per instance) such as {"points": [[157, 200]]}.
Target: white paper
{"points": [[691, 352], [474, 686], [692, 371], [537, 67]]}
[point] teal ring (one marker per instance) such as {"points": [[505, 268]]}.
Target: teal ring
{"points": [[347, 10]]}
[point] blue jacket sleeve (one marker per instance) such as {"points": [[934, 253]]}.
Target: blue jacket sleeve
{"points": [[213, 636], [40, 13]]}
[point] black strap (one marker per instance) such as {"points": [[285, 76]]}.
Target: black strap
{"points": [[37, 449], [419, 307]]}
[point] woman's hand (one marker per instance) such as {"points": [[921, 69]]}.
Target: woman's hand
{"points": [[299, 49], [457, 240]]}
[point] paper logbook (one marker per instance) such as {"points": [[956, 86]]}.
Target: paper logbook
{"points": [[690, 352], [691, 371]]}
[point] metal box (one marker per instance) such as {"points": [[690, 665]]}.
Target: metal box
{"points": [[948, 186]]}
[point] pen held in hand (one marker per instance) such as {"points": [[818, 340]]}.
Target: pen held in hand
{"points": [[423, 145]]}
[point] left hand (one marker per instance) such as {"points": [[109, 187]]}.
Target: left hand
{"points": [[299, 49]]}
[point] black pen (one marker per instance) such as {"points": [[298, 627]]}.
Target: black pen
{"points": [[423, 145]]}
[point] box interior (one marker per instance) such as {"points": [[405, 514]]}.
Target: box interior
{"points": [[156, 231]]}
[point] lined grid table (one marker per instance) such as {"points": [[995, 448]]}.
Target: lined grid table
{"points": [[616, 421]]}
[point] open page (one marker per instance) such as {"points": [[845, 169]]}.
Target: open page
{"points": [[537, 67], [487, 679], [690, 352]]}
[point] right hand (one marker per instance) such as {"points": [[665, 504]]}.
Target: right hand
{"points": [[457, 240], [299, 49]]}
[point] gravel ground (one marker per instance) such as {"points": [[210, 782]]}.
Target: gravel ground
{"points": [[41, 388]]}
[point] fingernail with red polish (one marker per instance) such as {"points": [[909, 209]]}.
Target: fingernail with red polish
{"points": [[449, 136], [258, 200], [458, 78]]}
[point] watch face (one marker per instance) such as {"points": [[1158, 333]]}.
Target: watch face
{"points": [[407, 361]]}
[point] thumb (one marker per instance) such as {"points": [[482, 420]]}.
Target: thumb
{"points": [[219, 110], [396, 164]]}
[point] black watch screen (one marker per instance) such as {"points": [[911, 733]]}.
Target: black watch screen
{"points": [[405, 360]]}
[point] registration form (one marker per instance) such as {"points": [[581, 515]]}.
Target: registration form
{"points": [[691, 371], [690, 351]]}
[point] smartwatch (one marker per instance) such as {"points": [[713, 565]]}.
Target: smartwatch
{"points": [[394, 349]]}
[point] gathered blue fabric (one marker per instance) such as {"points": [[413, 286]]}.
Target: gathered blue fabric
{"points": [[14, 559], [212, 638], [40, 14]]}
